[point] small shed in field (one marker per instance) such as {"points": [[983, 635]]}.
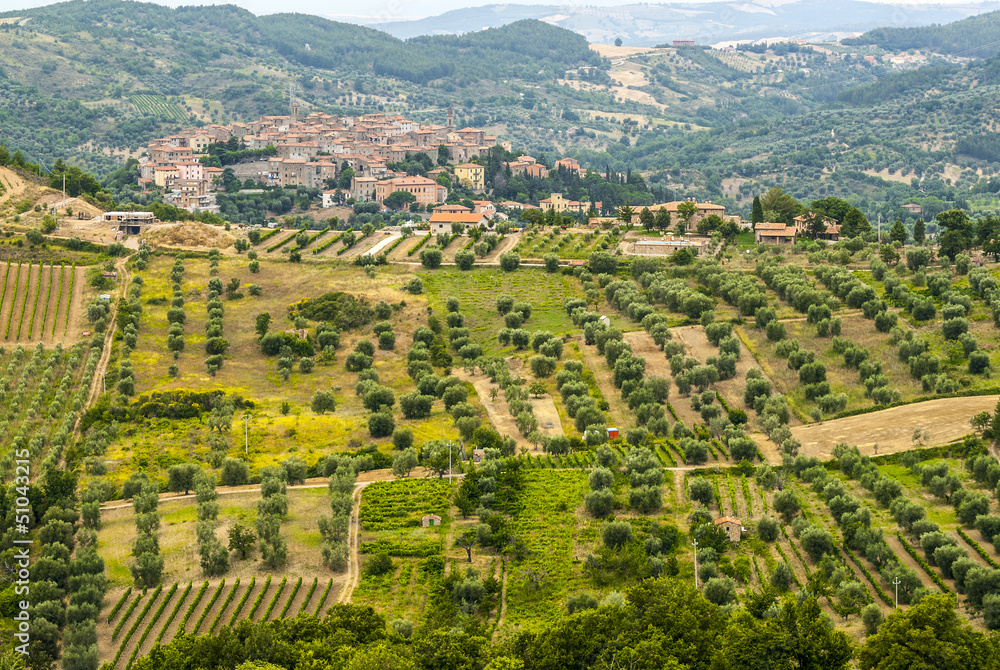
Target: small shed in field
{"points": [[612, 433], [732, 526], [430, 520]]}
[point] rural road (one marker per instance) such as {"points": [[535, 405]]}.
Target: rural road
{"points": [[102, 365], [354, 549]]}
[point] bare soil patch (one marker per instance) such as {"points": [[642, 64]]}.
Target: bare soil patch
{"points": [[497, 410], [907, 560], [399, 253], [611, 51], [698, 345], [618, 413], [549, 424], [189, 235], [891, 429], [361, 246], [658, 366]]}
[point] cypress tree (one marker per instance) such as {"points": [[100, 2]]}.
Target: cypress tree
{"points": [[758, 211]]}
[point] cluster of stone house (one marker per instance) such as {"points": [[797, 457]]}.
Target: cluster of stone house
{"points": [[313, 149], [766, 232]]}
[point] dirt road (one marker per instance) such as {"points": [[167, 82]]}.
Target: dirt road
{"points": [[947, 419], [353, 565]]}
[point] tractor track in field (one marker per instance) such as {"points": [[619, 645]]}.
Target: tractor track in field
{"points": [[102, 364]]}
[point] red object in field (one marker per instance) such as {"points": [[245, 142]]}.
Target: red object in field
{"points": [[612, 433]]}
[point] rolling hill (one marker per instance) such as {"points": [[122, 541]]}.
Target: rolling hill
{"points": [[92, 82], [707, 23]]}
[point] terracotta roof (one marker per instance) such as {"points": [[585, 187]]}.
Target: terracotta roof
{"points": [[769, 225], [456, 217], [726, 519]]}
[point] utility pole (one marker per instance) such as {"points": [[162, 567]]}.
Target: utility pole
{"points": [[695, 543], [896, 583], [246, 434], [64, 186]]}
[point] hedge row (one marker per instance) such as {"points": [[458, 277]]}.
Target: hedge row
{"points": [[394, 245], [923, 563], [746, 495], [309, 595], [69, 302], [190, 610], [149, 626], [208, 607], [886, 598], [798, 554], [173, 614], [419, 244], [260, 598], [268, 235], [322, 600], [119, 604], [274, 600], [312, 238], [784, 557], [17, 283], [403, 549], [242, 602], [329, 243], [27, 296], [135, 625], [225, 604], [291, 597], [126, 615], [275, 247], [978, 549]]}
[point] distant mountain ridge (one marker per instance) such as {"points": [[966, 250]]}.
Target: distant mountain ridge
{"points": [[705, 23]]}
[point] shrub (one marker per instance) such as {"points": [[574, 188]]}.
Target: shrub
{"points": [[767, 529], [701, 490], [402, 438], [381, 424], [510, 261], [430, 257], [617, 534], [234, 472], [600, 503], [720, 590], [979, 362]]}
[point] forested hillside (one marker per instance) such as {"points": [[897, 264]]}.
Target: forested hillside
{"points": [[974, 37]]}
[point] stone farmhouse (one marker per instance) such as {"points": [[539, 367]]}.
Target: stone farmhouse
{"points": [[778, 234], [831, 227]]}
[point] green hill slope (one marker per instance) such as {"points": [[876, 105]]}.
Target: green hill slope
{"points": [[974, 37]]}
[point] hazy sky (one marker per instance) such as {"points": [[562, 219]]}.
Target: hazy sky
{"points": [[399, 10]]}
